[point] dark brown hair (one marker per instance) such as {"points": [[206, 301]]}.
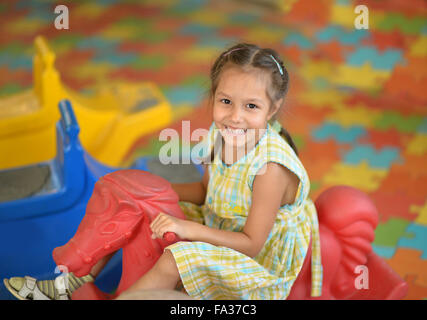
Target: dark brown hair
{"points": [[246, 55]]}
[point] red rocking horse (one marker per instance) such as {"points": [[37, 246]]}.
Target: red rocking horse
{"points": [[125, 202]]}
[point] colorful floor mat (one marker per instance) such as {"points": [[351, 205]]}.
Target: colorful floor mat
{"points": [[357, 104]]}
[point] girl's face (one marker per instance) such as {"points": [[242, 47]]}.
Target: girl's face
{"points": [[241, 107]]}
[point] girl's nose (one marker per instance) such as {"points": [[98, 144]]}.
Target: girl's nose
{"points": [[236, 114]]}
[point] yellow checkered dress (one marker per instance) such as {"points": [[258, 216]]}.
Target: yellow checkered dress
{"points": [[215, 272]]}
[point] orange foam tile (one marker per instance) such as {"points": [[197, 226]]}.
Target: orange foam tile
{"points": [[408, 262], [23, 77], [319, 157], [307, 11], [386, 138], [395, 204], [415, 292]]}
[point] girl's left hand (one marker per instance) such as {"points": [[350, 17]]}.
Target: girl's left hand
{"points": [[166, 223]]}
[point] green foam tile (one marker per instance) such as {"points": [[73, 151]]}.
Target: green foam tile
{"points": [[388, 234], [406, 124]]}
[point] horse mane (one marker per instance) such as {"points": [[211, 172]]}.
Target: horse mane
{"points": [[352, 217]]}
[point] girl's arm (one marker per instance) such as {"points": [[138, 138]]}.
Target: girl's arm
{"points": [[194, 192], [268, 191]]}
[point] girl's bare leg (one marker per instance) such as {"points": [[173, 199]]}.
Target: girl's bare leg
{"points": [[97, 268], [163, 275]]}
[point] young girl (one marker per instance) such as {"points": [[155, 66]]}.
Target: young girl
{"points": [[250, 220]]}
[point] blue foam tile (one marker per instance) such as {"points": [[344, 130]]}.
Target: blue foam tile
{"points": [[329, 130], [416, 238], [422, 128], [197, 29], [343, 36], [184, 94], [384, 252], [383, 158], [115, 58], [379, 60], [296, 38], [97, 43]]}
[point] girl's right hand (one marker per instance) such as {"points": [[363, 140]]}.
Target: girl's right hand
{"points": [[164, 223]]}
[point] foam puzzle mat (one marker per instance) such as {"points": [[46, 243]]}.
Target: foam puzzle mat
{"points": [[357, 104]]}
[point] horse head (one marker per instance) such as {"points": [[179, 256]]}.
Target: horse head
{"points": [[120, 203]]}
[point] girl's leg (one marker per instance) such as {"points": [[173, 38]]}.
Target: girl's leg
{"points": [[97, 268], [163, 275]]}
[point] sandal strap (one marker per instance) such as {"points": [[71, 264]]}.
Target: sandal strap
{"points": [[30, 287], [61, 288]]}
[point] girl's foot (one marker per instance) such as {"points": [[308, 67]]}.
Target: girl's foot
{"points": [[28, 288]]}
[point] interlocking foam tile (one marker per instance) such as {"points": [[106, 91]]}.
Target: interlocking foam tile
{"points": [[316, 166], [418, 145], [419, 47], [407, 262], [350, 76], [407, 124], [388, 234], [415, 291], [408, 8], [361, 116], [378, 60], [89, 10], [411, 25], [315, 12], [342, 35], [382, 158], [322, 98], [312, 70], [422, 213], [188, 94], [416, 238], [20, 77], [411, 166], [382, 102], [385, 138], [98, 71], [200, 54], [384, 40], [360, 176], [403, 85], [338, 133], [208, 17], [396, 204], [197, 29], [298, 39], [268, 34]]}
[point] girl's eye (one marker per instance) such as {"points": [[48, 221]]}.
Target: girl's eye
{"points": [[226, 101], [252, 106]]}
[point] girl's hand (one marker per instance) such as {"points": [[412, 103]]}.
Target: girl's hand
{"points": [[166, 223]]}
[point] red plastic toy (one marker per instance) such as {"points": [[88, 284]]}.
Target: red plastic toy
{"points": [[125, 202], [347, 221], [118, 215]]}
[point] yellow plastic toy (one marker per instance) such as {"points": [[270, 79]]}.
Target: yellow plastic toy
{"points": [[111, 120]]}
